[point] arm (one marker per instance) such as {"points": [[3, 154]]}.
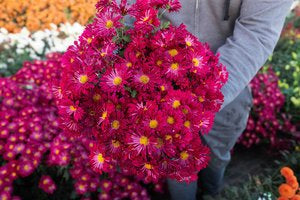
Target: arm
{"points": [[255, 35]]}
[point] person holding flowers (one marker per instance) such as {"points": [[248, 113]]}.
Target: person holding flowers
{"points": [[144, 91], [244, 33]]}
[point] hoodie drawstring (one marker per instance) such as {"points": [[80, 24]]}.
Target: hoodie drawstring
{"points": [[227, 5]]}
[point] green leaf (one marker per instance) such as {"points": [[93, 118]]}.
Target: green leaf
{"points": [[133, 93], [126, 38], [165, 25]]}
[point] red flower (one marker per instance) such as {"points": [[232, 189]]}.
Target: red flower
{"points": [[47, 184], [114, 80], [140, 143], [99, 160], [153, 89], [107, 23]]}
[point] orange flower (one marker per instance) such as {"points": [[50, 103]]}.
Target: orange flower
{"points": [[292, 181], [283, 198], [296, 197], [286, 172], [38, 15], [286, 190]]}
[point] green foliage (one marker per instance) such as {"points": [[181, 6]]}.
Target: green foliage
{"points": [[286, 63], [11, 61]]}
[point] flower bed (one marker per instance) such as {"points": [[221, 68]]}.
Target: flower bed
{"points": [[38, 15], [15, 48], [32, 144]]}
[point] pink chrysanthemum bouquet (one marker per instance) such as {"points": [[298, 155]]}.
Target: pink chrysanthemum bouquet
{"points": [[143, 92]]}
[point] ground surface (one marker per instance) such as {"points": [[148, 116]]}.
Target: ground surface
{"points": [[244, 163]]}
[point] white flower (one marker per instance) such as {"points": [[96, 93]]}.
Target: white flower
{"points": [[35, 42], [3, 66]]}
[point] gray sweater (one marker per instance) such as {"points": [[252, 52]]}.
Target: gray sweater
{"points": [[244, 32]]}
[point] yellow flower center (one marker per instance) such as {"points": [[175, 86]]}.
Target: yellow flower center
{"points": [[83, 79], [188, 43], [144, 140], [89, 40], [115, 124], [170, 120], [153, 123], [159, 143], [104, 115], [129, 64], [158, 62], [162, 88], [176, 104], [96, 97], [168, 137], [46, 181], [71, 60], [81, 187], [26, 167], [72, 108], [145, 18], [148, 166], [102, 54], [184, 155], [138, 54], [109, 24], [117, 81], [174, 66], [115, 143], [57, 151], [100, 158], [144, 79], [185, 111], [196, 62], [201, 99], [200, 123], [105, 185], [173, 52], [187, 124]]}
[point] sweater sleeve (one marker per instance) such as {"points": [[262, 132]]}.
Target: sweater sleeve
{"points": [[255, 35]]}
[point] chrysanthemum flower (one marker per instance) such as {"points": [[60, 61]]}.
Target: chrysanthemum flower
{"points": [[25, 168], [71, 108], [286, 172], [205, 121], [153, 89], [173, 5], [106, 185], [105, 113], [286, 191], [99, 160], [146, 81], [114, 80], [47, 184], [147, 170], [81, 187], [174, 118], [107, 23], [104, 5], [83, 79], [140, 143], [147, 20]]}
